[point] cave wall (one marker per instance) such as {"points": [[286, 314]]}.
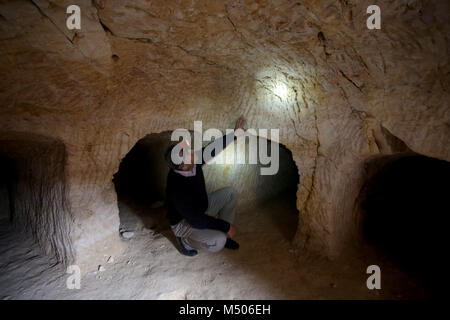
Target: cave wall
{"points": [[146, 67]]}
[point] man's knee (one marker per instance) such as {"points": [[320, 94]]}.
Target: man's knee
{"points": [[217, 244]]}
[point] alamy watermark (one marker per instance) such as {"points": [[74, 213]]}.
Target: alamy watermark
{"points": [[374, 20], [73, 21], [374, 280], [74, 280], [258, 151]]}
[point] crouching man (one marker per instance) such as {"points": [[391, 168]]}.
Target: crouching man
{"points": [[200, 220]]}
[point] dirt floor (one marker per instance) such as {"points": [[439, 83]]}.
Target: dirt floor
{"points": [[265, 267]]}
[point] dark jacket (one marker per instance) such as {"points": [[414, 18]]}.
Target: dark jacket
{"points": [[187, 197]]}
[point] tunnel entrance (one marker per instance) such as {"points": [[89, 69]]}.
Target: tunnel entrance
{"points": [[402, 208], [35, 242], [140, 185], [32, 192], [266, 203], [6, 176]]}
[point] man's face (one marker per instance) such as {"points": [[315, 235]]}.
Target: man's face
{"points": [[188, 159]]}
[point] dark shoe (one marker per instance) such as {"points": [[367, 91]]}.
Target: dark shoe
{"points": [[184, 251], [231, 244]]}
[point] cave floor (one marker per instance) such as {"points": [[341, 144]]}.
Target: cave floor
{"points": [[265, 267]]}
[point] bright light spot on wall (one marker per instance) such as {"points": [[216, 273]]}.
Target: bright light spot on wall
{"points": [[273, 86], [281, 90]]}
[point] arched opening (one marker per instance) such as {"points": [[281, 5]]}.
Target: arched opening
{"points": [[267, 203], [401, 212], [6, 203], [32, 193], [140, 185], [35, 242]]}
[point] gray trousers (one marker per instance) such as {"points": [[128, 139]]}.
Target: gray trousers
{"points": [[221, 204]]}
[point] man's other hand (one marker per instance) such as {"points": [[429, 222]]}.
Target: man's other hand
{"points": [[232, 232]]}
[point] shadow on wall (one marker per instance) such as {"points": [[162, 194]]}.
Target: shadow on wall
{"points": [[140, 185], [142, 173], [32, 183], [402, 207], [141, 180]]}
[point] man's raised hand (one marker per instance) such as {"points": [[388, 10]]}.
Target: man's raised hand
{"points": [[240, 123]]}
